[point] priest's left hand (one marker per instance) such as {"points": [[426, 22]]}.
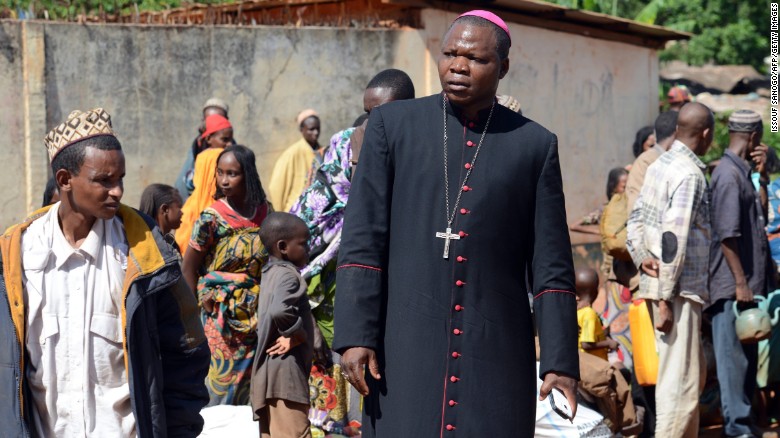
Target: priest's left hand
{"points": [[563, 382]]}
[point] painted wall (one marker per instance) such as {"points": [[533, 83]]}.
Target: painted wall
{"points": [[153, 80]]}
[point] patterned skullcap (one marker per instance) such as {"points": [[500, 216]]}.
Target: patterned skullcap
{"points": [[744, 121], [509, 102], [79, 126], [216, 102]]}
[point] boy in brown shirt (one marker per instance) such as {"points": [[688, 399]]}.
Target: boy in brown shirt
{"points": [[280, 374]]}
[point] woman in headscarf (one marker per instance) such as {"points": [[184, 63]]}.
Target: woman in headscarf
{"points": [[217, 135]]}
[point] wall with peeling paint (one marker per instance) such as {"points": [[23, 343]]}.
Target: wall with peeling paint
{"points": [[153, 80]]}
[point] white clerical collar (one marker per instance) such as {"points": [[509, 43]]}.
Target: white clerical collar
{"points": [[62, 250]]}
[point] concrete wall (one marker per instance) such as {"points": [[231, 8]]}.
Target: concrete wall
{"points": [[153, 80], [12, 157]]}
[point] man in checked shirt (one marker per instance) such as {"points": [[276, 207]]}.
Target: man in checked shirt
{"points": [[669, 238]]}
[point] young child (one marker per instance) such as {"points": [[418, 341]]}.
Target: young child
{"points": [[280, 374], [592, 339], [163, 204]]}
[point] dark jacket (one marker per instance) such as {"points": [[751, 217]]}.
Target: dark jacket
{"points": [[166, 354], [737, 213], [282, 309], [454, 336]]}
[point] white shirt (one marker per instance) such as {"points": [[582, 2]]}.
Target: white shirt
{"points": [[73, 297]]}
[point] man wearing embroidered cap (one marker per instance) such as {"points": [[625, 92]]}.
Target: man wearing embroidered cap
{"points": [[101, 336], [738, 270], [456, 213]]}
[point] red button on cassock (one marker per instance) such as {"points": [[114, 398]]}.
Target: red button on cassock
{"points": [[466, 188], [467, 165], [453, 403], [459, 283], [471, 124], [464, 211], [463, 234], [455, 355], [461, 259], [450, 427], [457, 332], [469, 143], [454, 379], [458, 307]]}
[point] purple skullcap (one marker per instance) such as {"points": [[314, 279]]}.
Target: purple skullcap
{"points": [[489, 16]]}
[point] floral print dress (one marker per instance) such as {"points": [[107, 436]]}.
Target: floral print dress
{"points": [[335, 407], [234, 260]]}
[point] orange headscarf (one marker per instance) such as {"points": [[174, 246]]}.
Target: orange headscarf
{"points": [[205, 183]]}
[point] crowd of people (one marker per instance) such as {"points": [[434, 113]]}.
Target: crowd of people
{"points": [[385, 318], [688, 246]]}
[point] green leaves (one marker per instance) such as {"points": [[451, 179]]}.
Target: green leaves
{"points": [[71, 9], [726, 31], [649, 13]]}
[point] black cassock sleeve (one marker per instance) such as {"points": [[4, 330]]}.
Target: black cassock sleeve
{"points": [[363, 254], [552, 269]]}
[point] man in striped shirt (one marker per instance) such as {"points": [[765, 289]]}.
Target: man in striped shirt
{"points": [[669, 238]]}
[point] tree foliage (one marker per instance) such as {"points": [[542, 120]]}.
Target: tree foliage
{"points": [[71, 9], [618, 8], [725, 31]]}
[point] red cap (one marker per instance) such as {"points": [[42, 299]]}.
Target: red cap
{"points": [[215, 123], [678, 95]]}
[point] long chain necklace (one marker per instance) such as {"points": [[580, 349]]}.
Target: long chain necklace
{"points": [[450, 217]]}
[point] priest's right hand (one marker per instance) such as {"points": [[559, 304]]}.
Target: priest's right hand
{"points": [[353, 364]]}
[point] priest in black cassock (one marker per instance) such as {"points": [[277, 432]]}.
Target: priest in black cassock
{"points": [[455, 211]]}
